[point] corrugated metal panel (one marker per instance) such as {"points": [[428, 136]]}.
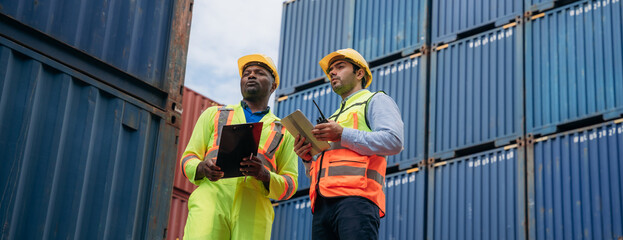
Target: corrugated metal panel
{"points": [[541, 5], [575, 185], [293, 220], [481, 196], [382, 28], [178, 215], [78, 150], [193, 105], [573, 65], [405, 210], [310, 30], [113, 31], [476, 92], [450, 18]]}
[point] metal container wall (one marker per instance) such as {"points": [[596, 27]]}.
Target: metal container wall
{"points": [[293, 219], [476, 92], [178, 215], [112, 31], [541, 5], [327, 101], [575, 184], [79, 151], [382, 28], [573, 65], [193, 105], [450, 18], [481, 196], [405, 206], [311, 29]]}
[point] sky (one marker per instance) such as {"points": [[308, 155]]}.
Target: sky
{"points": [[220, 33]]}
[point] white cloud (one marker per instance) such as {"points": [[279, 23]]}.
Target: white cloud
{"points": [[223, 31]]}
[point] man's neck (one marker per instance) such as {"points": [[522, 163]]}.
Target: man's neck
{"points": [[256, 106], [351, 92]]}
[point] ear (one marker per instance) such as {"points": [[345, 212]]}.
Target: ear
{"points": [[273, 87], [361, 73]]}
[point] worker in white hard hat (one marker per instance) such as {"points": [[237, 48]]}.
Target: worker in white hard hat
{"points": [[346, 192], [240, 208]]}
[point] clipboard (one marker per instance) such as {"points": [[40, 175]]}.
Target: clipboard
{"points": [[236, 142], [297, 123]]}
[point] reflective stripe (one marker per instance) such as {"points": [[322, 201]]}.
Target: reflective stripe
{"points": [[354, 171], [225, 115], [289, 182], [276, 139], [355, 121], [184, 161], [265, 162]]}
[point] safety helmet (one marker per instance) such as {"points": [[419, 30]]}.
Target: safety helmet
{"points": [[350, 55], [261, 60]]}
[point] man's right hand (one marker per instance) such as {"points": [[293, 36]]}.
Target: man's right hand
{"points": [[207, 168], [301, 149]]}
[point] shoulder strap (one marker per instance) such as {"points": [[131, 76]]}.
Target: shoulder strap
{"points": [[365, 113]]}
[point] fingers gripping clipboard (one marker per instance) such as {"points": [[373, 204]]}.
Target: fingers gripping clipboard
{"points": [[236, 142]]}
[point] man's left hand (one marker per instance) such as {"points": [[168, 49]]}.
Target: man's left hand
{"points": [[330, 131], [253, 167]]}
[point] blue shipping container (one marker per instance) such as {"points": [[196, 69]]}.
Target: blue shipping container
{"points": [[574, 59], [293, 219], [476, 93], [382, 28], [449, 18], [310, 29], [481, 196], [575, 184], [542, 5], [405, 197], [81, 159]]}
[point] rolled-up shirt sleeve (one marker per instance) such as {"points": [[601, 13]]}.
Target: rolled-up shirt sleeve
{"points": [[387, 127]]}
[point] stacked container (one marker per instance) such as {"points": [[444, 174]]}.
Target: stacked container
{"points": [[88, 122], [510, 114]]}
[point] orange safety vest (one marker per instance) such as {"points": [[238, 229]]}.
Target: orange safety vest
{"points": [[341, 172]]}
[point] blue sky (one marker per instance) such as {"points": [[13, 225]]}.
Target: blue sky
{"points": [[223, 31]]}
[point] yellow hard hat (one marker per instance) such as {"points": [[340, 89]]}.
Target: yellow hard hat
{"points": [[349, 54], [265, 61]]}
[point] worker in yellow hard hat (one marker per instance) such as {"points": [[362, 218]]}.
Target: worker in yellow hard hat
{"points": [[346, 192], [240, 208]]}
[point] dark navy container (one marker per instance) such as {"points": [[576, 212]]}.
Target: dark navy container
{"points": [[574, 59], [293, 219], [575, 184], [476, 92], [481, 196]]}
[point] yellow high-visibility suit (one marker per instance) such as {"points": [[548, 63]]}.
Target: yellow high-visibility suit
{"points": [[233, 208]]}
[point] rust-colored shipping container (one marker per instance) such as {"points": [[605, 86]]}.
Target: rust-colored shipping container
{"points": [[178, 214], [193, 105]]}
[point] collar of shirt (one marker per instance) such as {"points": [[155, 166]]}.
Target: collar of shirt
{"points": [[253, 117]]}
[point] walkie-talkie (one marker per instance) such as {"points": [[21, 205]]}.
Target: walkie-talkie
{"points": [[321, 119]]}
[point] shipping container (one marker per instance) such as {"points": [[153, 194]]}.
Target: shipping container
{"points": [[405, 210], [481, 196], [405, 195], [311, 29], [178, 215], [404, 80], [293, 219], [532, 6], [78, 150], [383, 28], [574, 59], [87, 117], [452, 19], [193, 104], [575, 184], [476, 93]]}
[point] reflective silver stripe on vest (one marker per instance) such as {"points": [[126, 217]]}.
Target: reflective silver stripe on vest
{"points": [[184, 160], [212, 155], [290, 187], [354, 171], [222, 120], [265, 162], [270, 152]]}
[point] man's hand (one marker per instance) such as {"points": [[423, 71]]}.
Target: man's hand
{"points": [[301, 149], [330, 131], [207, 168], [253, 167]]}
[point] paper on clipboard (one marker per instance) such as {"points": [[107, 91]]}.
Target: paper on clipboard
{"points": [[297, 123], [236, 142]]}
